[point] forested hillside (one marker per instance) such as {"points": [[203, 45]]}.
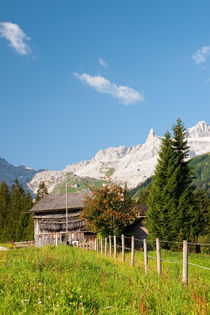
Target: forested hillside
{"points": [[201, 166]]}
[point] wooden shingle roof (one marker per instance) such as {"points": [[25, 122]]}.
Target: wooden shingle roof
{"points": [[56, 202]]}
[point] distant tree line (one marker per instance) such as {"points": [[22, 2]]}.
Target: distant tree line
{"points": [[16, 222]]}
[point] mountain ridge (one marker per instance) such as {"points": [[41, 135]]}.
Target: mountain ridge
{"points": [[131, 165]]}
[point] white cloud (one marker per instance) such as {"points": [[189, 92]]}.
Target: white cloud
{"points": [[103, 63], [201, 54], [17, 38], [125, 94]]}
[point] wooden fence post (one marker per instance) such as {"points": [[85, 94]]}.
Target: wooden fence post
{"points": [[115, 247], [185, 262], [123, 247], [145, 256], [110, 245], [95, 244], [132, 251], [158, 256], [105, 249], [97, 247], [101, 245], [56, 239]]}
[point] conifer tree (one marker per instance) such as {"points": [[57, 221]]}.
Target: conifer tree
{"points": [[41, 192], [202, 202], [29, 230], [143, 196], [158, 201], [4, 204], [22, 233], [185, 221], [172, 212], [16, 205]]}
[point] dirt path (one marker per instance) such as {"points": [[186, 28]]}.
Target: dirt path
{"points": [[3, 248]]}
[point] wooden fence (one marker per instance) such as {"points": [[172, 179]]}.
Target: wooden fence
{"points": [[23, 244], [113, 252]]}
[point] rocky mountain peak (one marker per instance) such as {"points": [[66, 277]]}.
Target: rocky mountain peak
{"points": [[112, 153], [201, 129], [151, 135], [126, 165]]}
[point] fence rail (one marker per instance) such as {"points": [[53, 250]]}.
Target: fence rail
{"points": [[23, 244], [113, 246]]}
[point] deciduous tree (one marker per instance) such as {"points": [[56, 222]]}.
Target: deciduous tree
{"points": [[108, 210]]}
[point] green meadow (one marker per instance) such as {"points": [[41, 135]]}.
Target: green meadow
{"points": [[66, 280]]}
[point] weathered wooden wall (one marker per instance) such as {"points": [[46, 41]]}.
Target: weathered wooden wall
{"points": [[50, 228]]}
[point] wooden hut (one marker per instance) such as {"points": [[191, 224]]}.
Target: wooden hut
{"points": [[137, 228], [51, 219]]}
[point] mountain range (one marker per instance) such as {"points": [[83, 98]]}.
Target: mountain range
{"points": [[131, 165]]}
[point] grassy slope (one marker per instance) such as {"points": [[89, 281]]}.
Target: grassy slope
{"points": [[67, 280], [201, 166], [83, 183]]}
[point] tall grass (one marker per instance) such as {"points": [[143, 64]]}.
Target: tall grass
{"points": [[66, 280]]}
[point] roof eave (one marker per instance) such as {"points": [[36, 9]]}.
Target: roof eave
{"points": [[55, 210]]}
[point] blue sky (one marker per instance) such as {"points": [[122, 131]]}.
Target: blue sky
{"points": [[79, 76]]}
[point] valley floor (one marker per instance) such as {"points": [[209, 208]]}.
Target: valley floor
{"points": [[66, 280]]}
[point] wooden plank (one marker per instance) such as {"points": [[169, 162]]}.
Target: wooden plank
{"points": [[145, 256], [105, 249], [185, 262], [123, 247], [110, 245], [97, 247], [115, 247], [158, 256], [101, 245], [132, 250]]}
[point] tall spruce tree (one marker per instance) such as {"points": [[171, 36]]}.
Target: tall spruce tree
{"points": [[29, 230], [4, 204], [158, 201], [22, 230], [185, 221], [41, 192], [17, 199], [202, 201], [172, 213]]}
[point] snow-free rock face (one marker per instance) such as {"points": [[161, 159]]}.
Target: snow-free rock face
{"points": [[201, 129], [50, 178], [111, 154], [135, 164], [199, 139], [124, 165]]}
